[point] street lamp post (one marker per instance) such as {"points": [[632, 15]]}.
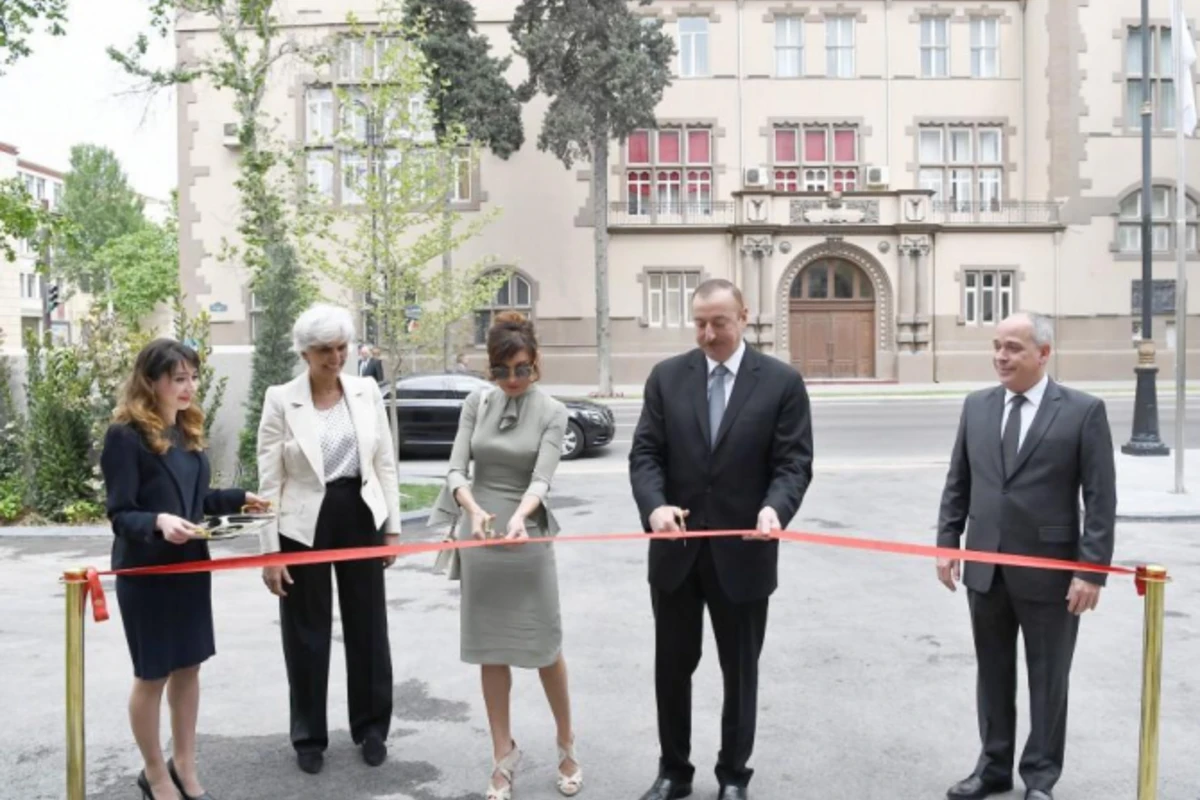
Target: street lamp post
{"points": [[1144, 440]]}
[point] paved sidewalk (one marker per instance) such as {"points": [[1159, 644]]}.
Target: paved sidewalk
{"points": [[1146, 488]]}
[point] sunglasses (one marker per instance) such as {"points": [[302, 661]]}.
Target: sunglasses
{"points": [[501, 372]]}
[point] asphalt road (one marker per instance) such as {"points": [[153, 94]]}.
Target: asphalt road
{"points": [[873, 433]]}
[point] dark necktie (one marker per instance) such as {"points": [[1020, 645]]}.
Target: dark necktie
{"points": [[716, 402], [1011, 442]]}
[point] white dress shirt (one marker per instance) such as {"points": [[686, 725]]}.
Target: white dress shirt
{"points": [[1033, 399], [733, 363]]}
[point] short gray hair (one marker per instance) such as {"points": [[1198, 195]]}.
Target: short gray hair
{"points": [[1042, 327], [322, 324]]}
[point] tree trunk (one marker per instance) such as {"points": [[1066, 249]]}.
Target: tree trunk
{"points": [[600, 223], [447, 256]]}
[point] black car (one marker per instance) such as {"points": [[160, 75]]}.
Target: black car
{"points": [[430, 405]]}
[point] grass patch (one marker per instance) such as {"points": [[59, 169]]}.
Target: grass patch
{"points": [[414, 496]]}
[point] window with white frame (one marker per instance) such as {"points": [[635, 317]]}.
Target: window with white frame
{"points": [[58, 195], [461, 191], [31, 286], [1162, 71], [320, 161], [839, 46], [962, 165], [985, 47], [1162, 221], [514, 294], [693, 47], [669, 171], [988, 295], [816, 158], [935, 47], [789, 47], [668, 297]]}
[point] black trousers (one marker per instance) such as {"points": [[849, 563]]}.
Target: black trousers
{"points": [[1050, 632], [739, 629], [306, 617]]}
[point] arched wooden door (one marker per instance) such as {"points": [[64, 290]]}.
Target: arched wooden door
{"points": [[831, 318]]}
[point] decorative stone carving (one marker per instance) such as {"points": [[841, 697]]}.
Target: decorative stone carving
{"points": [[834, 211], [759, 246]]}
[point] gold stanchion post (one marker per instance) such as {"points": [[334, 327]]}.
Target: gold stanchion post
{"points": [[76, 584], [1155, 578]]}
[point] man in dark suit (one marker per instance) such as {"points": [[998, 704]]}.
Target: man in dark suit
{"points": [[1025, 451], [368, 365], [725, 442]]}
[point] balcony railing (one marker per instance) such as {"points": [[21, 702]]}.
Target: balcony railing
{"points": [[644, 212], [996, 213]]}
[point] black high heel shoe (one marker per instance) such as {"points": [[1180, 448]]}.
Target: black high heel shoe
{"points": [[144, 785], [179, 784]]}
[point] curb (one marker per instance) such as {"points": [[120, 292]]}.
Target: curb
{"points": [[1182, 517], [68, 532]]}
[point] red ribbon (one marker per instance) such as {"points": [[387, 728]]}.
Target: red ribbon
{"points": [[359, 553]]}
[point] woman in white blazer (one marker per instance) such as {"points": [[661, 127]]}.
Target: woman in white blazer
{"points": [[325, 461]]}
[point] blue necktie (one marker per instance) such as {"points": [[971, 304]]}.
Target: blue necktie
{"points": [[716, 402]]}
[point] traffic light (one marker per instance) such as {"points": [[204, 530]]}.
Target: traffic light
{"points": [[52, 300]]}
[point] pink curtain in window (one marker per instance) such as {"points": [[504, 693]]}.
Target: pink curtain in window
{"points": [[698, 148], [785, 147], [843, 146], [639, 147], [815, 150], [668, 147]]}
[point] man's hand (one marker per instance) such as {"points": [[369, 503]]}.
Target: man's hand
{"points": [[274, 578], [668, 519], [768, 523], [949, 572], [1082, 596]]}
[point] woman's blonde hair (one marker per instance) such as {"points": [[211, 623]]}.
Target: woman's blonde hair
{"points": [[138, 405]]}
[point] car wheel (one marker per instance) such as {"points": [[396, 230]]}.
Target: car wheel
{"points": [[572, 443]]}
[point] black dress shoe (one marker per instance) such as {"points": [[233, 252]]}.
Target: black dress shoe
{"points": [[179, 784], [311, 761], [374, 751], [976, 788], [1038, 794], [667, 789], [733, 793]]}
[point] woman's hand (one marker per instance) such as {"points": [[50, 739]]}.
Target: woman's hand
{"points": [[390, 540], [274, 578], [481, 523], [255, 504], [176, 530], [516, 528]]}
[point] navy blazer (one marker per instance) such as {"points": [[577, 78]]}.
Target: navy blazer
{"points": [[140, 485]]}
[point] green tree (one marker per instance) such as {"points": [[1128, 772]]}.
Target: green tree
{"points": [[466, 90], [604, 71], [195, 333], [249, 47], [102, 207], [22, 218], [385, 251], [143, 271], [17, 18]]}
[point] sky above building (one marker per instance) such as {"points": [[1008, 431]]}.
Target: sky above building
{"points": [[70, 92]]}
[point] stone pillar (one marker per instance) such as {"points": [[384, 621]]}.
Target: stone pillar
{"points": [[905, 309], [755, 252], [923, 281]]}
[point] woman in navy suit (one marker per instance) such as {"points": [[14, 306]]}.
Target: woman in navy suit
{"points": [[156, 476]]}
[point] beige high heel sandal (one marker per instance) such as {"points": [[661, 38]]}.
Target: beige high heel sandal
{"points": [[569, 785], [505, 766]]}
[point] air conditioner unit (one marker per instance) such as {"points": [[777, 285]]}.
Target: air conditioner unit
{"points": [[229, 136], [755, 177], [877, 178]]}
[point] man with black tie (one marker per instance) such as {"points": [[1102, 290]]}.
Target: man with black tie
{"points": [[725, 443], [368, 365], [1025, 451]]}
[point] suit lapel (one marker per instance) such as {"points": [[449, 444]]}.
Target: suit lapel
{"points": [[995, 421], [698, 389], [185, 511], [302, 418], [1047, 411], [743, 384]]}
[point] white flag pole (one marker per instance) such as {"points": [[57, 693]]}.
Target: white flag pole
{"points": [[1185, 123]]}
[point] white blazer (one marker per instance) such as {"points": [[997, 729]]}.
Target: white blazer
{"points": [[291, 470]]}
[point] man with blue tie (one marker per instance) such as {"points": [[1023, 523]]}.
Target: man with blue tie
{"points": [[724, 442]]}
